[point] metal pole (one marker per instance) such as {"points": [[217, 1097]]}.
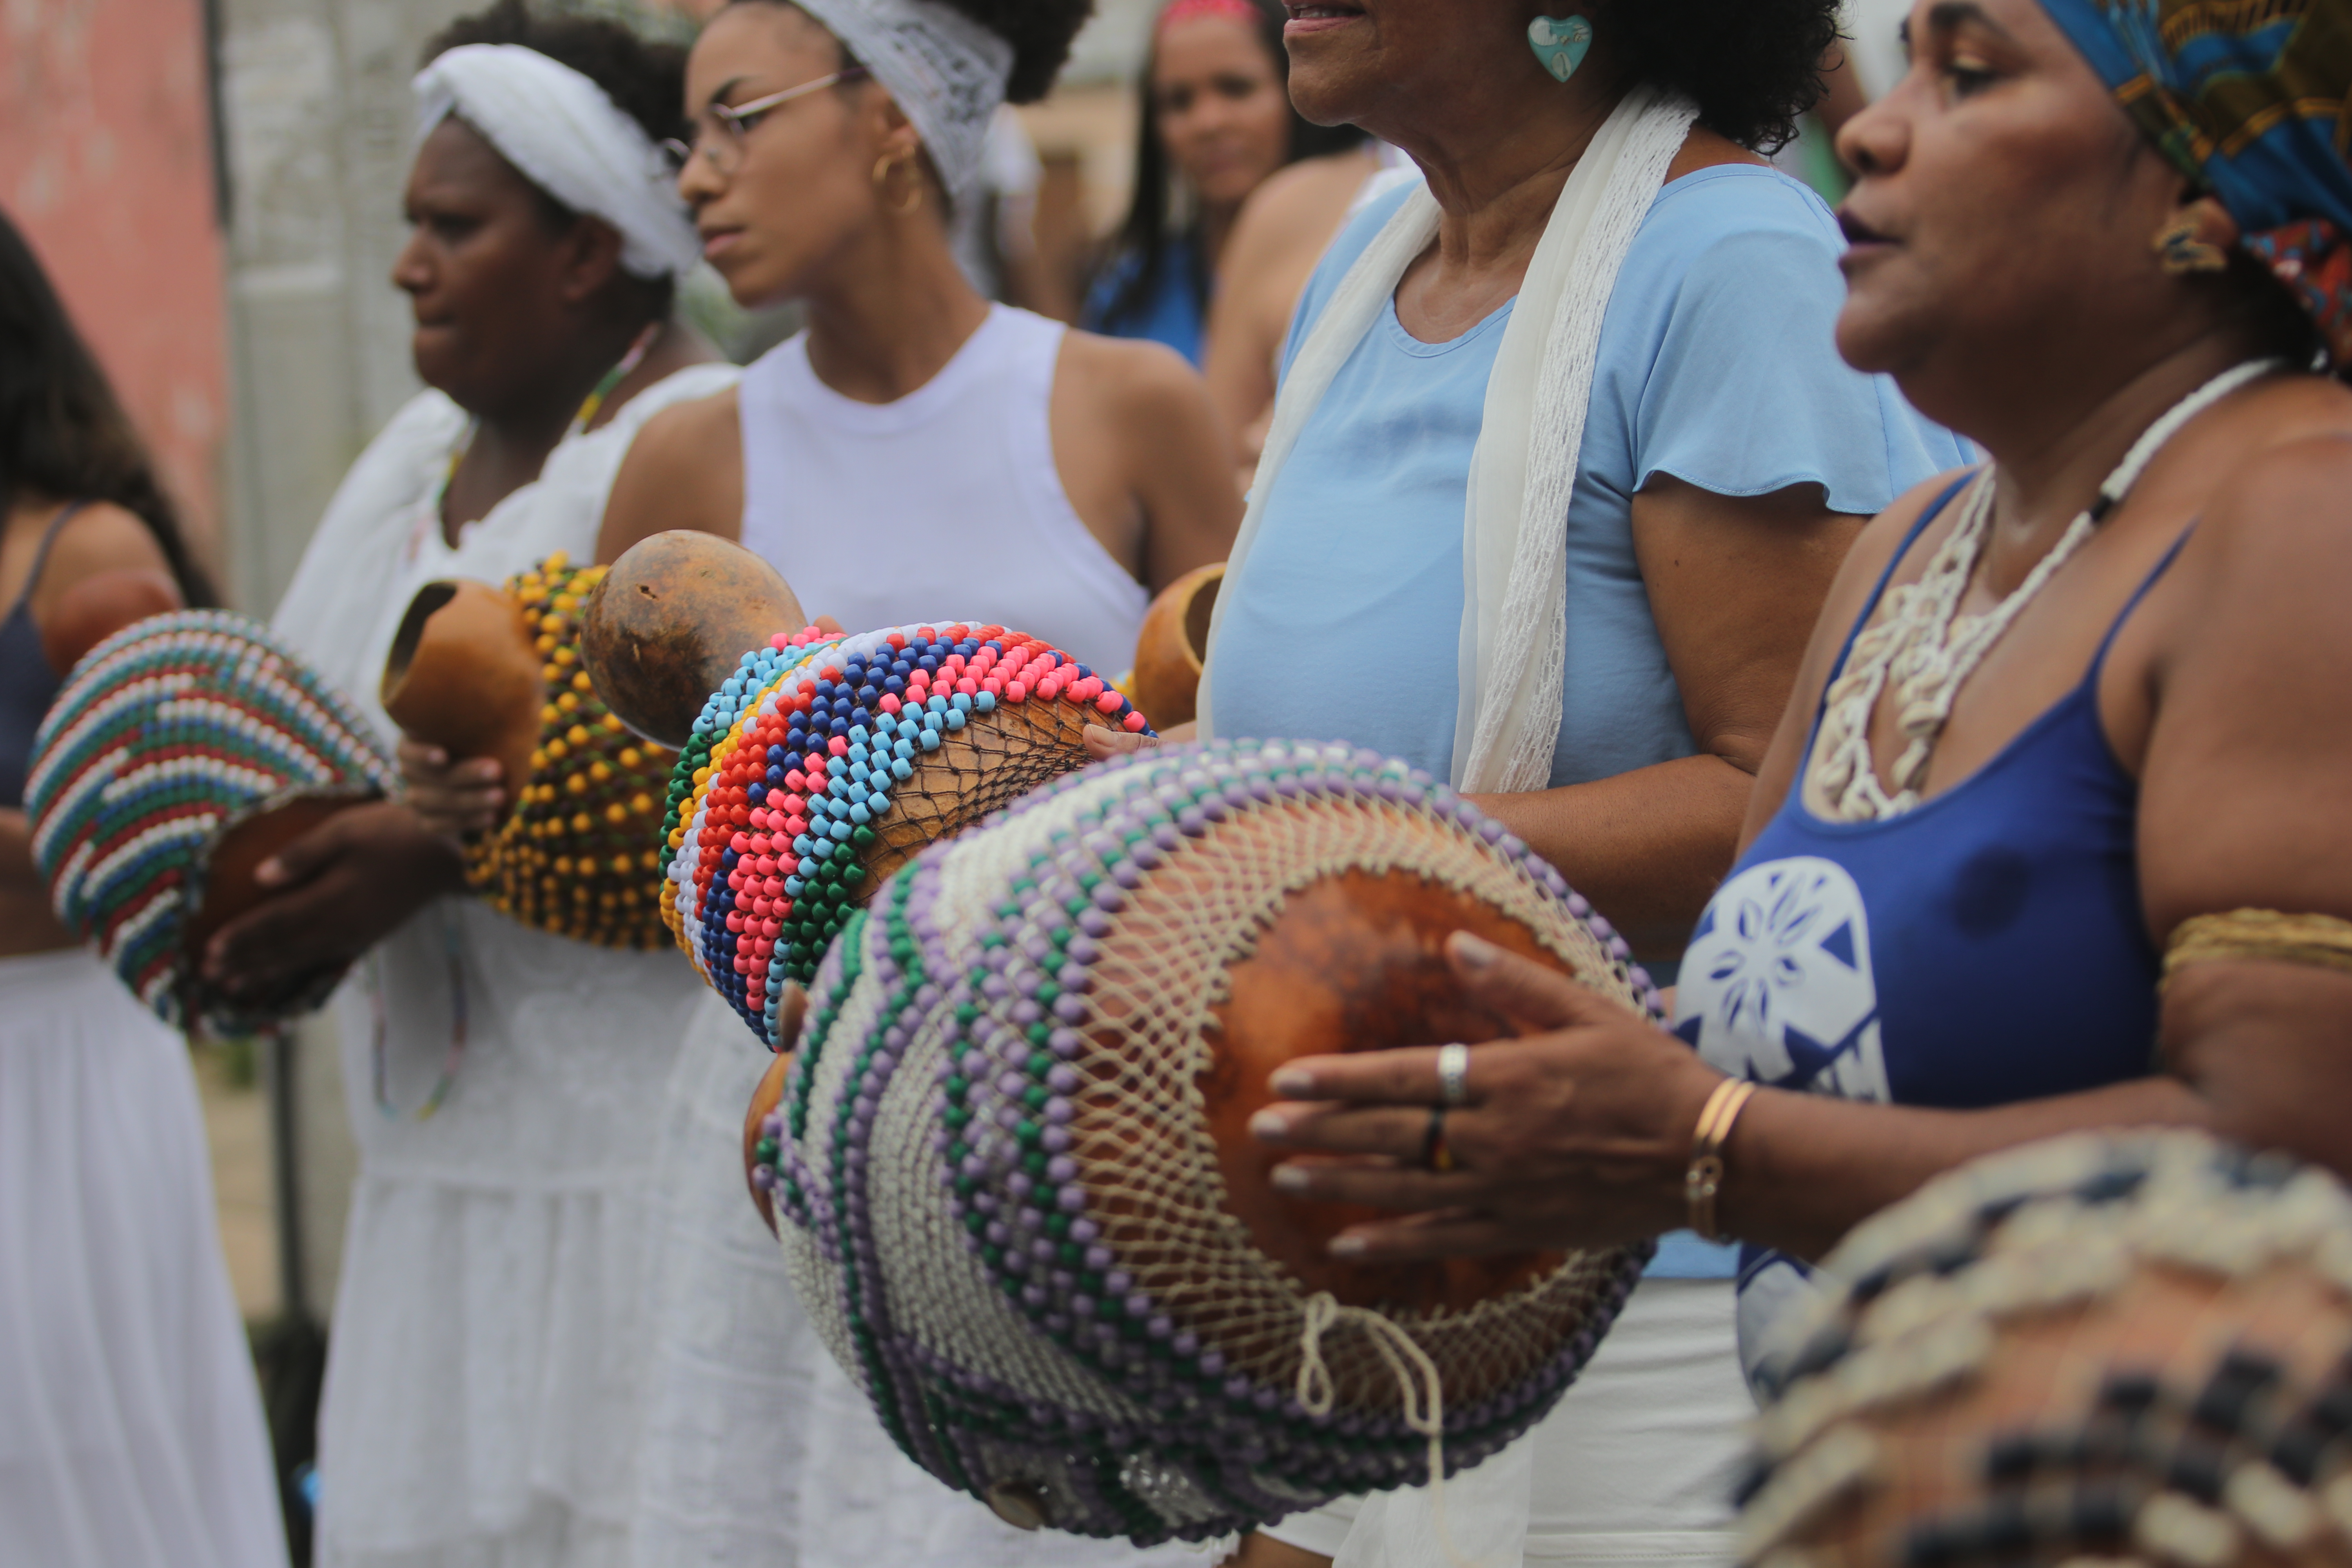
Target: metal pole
{"points": [[285, 1150]]}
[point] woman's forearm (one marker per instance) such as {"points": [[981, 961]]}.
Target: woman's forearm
{"points": [[17, 872], [1802, 1170], [1648, 847]]}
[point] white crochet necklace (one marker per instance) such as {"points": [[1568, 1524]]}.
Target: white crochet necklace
{"points": [[1928, 649]]}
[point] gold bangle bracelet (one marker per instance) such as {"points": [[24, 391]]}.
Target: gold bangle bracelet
{"points": [[1704, 1178]]}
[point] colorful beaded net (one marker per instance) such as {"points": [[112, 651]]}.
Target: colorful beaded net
{"points": [[571, 859], [2109, 1348], [828, 761], [164, 738], [1000, 1200]]}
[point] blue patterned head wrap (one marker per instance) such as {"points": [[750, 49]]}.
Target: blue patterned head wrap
{"points": [[2249, 99]]}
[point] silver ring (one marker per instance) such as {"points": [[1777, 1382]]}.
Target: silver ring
{"points": [[1453, 1074]]}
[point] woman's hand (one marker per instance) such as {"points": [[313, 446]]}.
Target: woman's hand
{"points": [[453, 799], [336, 891], [1575, 1137], [1103, 742]]}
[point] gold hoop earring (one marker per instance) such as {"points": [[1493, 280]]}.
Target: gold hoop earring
{"points": [[2181, 249], [882, 169]]}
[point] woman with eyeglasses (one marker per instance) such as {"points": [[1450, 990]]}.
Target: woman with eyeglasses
{"points": [[484, 1374], [915, 452]]}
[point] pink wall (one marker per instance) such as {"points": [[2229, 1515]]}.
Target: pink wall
{"points": [[106, 164]]}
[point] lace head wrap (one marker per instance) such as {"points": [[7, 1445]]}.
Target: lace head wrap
{"points": [[945, 70], [565, 136], [2248, 100]]}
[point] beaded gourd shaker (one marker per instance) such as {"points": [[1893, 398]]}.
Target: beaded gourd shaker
{"points": [[1011, 1171], [574, 857], [827, 762], [2123, 1347], [168, 739]]}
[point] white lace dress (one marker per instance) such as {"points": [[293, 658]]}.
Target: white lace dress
{"points": [[484, 1373]]}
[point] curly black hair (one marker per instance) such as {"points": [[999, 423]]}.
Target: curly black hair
{"points": [[645, 80], [1039, 31], [1751, 66]]}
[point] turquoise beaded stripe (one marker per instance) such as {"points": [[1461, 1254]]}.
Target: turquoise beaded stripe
{"points": [[766, 848], [161, 738]]}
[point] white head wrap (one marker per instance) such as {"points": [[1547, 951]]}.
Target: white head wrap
{"points": [[568, 138], [945, 71]]}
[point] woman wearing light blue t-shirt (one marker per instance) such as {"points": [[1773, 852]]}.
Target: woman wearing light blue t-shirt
{"points": [[1603, 308]]}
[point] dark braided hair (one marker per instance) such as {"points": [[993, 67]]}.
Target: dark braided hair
{"points": [[1144, 234], [62, 434], [1751, 66]]}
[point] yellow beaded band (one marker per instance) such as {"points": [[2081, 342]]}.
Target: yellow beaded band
{"points": [[1704, 1176], [2263, 934]]}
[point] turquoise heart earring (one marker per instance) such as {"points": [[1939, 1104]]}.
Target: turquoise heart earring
{"points": [[1561, 42]]}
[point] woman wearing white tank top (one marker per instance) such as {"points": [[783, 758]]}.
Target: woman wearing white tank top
{"points": [[914, 452], [917, 451]]}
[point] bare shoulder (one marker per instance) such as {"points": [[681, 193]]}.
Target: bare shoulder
{"points": [[1881, 539], [1298, 205], [684, 469], [100, 537], [1123, 377], [699, 428]]}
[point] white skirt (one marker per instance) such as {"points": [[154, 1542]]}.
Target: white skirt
{"points": [[1631, 1469], [726, 1397], [485, 1371], [131, 1428]]}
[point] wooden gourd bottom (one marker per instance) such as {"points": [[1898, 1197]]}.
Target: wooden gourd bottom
{"points": [[229, 889]]}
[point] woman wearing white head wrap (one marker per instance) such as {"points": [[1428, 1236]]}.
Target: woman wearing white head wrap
{"points": [[915, 448], [485, 1363]]}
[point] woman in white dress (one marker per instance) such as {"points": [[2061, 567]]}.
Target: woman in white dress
{"points": [[914, 452], [485, 1367], [131, 1431]]}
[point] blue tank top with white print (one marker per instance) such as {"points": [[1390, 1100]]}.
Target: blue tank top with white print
{"points": [[1985, 947]]}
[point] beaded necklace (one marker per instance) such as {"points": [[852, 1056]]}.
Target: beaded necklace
{"points": [[1928, 651]]}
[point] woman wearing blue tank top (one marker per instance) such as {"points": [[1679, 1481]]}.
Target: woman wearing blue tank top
{"points": [[2051, 834]]}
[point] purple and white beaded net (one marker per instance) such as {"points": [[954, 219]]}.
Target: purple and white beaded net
{"points": [[998, 1195]]}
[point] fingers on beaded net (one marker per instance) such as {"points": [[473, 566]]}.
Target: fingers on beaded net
{"points": [[1005, 1198], [572, 858], [170, 739], [2124, 1347], [827, 762]]}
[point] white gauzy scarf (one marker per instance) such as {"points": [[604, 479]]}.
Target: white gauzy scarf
{"points": [[1513, 643], [565, 136], [945, 71]]}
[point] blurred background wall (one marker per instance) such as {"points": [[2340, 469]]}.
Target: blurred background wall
{"points": [[107, 164]]}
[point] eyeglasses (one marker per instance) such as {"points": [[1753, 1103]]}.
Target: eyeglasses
{"points": [[720, 136]]}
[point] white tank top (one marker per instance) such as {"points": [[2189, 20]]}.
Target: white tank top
{"points": [[946, 502]]}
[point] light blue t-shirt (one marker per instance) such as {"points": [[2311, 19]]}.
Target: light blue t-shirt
{"points": [[1717, 365]]}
